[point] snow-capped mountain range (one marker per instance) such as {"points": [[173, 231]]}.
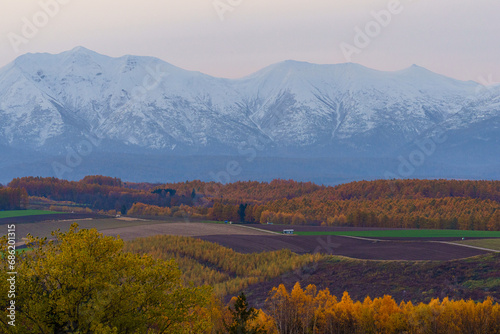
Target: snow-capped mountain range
{"points": [[142, 104]]}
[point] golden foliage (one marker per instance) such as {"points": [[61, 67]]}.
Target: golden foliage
{"points": [[82, 282], [431, 204], [312, 311], [140, 209], [203, 262]]}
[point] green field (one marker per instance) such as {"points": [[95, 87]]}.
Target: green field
{"points": [[18, 251], [484, 243], [409, 233], [23, 213]]}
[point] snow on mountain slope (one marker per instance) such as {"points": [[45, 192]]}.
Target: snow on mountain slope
{"points": [[27, 115], [47, 101], [134, 100], [295, 102]]}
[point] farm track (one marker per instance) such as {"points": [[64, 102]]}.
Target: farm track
{"points": [[475, 247]]}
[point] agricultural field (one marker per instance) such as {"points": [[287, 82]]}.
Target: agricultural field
{"points": [[228, 271], [256, 273], [381, 232], [255, 239], [18, 251], [44, 228], [360, 265], [473, 278], [29, 219], [409, 233], [24, 213], [193, 229], [250, 239], [348, 246]]}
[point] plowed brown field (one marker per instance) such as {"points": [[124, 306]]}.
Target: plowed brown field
{"points": [[247, 240]]}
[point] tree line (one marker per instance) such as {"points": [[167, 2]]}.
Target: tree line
{"points": [[442, 204], [97, 192], [425, 213], [13, 198], [262, 192]]}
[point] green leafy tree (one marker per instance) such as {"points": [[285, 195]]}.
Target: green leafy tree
{"points": [[241, 316], [82, 282]]}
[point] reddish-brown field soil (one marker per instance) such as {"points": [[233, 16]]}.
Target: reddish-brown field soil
{"points": [[472, 278], [346, 246], [247, 240]]}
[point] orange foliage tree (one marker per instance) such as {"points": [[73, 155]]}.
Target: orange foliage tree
{"points": [[312, 311]]}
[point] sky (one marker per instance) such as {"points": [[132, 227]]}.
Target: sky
{"points": [[234, 38]]}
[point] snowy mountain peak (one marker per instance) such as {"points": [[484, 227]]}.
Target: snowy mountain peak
{"points": [[416, 67], [80, 48], [50, 103], [144, 102]]}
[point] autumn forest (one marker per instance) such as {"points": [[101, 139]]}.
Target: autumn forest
{"points": [[432, 204]]}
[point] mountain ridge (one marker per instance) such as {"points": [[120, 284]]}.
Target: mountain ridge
{"points": [[49, 102]]}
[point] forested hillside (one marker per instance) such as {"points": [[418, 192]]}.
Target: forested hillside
{"points": [[440, 204]]}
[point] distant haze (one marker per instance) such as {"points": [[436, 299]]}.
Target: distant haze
{"points": [[233, 38]]}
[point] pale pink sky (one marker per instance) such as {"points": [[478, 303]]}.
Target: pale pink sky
{"points": [[456, 38]]}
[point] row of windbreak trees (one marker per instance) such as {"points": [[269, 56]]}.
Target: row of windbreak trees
{"points": [[224, 269], [443, 213]]}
